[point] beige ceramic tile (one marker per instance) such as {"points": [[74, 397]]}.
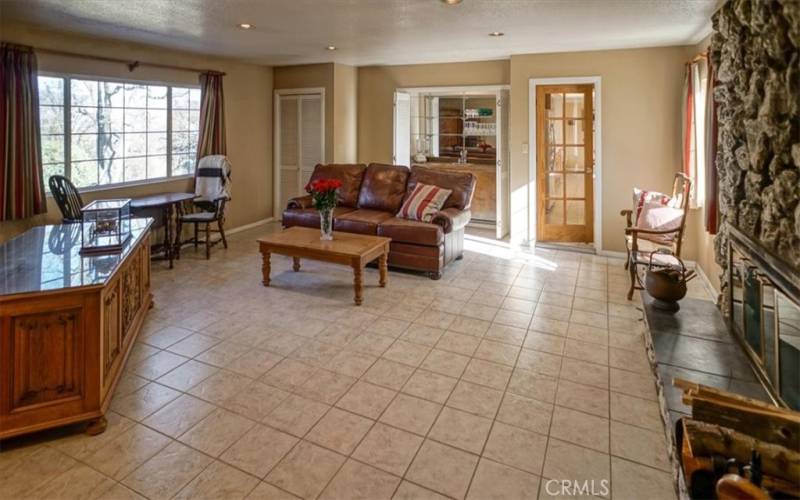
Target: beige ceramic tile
{"points": [[565, 460], [144, 402], [255, 401], [216, 432], [187, 375], [497, 352], [639, 445], [388, 448], [630, 480], [445, 363], [442, 468], [325, 386], [487, 373], [121, 456], [306, 470], [296, 415], [193, 345], [583, 372], [339, 430], [458, 343], [429, 385], [220, 387], [411, 414], [407, 353], [507, 334], [580, 428], [288, 374], [366, 399], [494, 481], [78, 482], [533, 385], [179, 416], [527, 413], [218, 480], [357, 481], [389, 374], [254, 363], [266, 491], [516, 447], [411, 491], [476, 399], [461, 429], [583, 397], [636, 411], [259, 450], [633, 384], [167, 472]]}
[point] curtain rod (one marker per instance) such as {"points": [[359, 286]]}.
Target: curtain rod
{"points": [[132, 65]]}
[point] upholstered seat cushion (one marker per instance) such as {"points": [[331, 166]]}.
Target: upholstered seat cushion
{"points": [[308, 217], [362, 221], [411, 231]]}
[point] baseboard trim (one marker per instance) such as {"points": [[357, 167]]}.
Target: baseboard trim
{"points": [[704, 278], [251, 225], [611, 253]]}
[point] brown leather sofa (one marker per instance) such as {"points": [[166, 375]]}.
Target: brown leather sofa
{"points": [[369, 199]]}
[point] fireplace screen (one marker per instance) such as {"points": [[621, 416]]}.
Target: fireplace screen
{"points": [[789, 350]]}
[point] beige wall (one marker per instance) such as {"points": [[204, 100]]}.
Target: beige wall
{"points": [[640, 109], [248, 108], [376, 86], [312, 76], [345, 113]]}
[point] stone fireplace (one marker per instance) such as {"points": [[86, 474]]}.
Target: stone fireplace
{"points": [[756, 50]]}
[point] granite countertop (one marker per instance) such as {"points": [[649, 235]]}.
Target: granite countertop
{"points": [[47, 258]]}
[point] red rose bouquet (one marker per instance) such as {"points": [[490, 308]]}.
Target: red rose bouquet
{"points": [[323, 198]]}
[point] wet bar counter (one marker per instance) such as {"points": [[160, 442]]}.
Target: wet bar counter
{"points": [[484, 202], [67, 324]]}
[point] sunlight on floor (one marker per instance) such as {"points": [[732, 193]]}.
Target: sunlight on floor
{"points": [[506, 251]]}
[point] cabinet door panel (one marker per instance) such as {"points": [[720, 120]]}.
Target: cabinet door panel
{"points": [[47, 350], [112, 331]]}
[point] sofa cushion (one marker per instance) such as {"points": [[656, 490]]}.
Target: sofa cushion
{"points": [[384, 187], [308, 217], [361, 221], [461, 184], [351, 176], [411, 231]]}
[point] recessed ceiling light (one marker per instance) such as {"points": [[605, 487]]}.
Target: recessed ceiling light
{"points": [[331, 47], [451, 2], [496, 33], [245, 26]]}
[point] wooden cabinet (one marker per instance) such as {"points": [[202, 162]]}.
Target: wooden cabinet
{"points": [[62, 349]]}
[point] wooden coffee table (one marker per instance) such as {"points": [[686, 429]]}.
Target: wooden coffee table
{"points": [[354, 250]]}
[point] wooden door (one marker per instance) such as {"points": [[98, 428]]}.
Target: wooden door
{"points": [[565, 162]]}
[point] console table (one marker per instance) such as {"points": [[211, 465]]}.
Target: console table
{"points": [[67, 324]]}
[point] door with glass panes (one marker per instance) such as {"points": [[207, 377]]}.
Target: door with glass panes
{"points": [[565, 162]]}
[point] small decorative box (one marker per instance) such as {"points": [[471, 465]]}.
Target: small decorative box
{"points": [[106, 226]]}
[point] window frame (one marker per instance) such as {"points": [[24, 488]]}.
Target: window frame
{"points": [[67, 111]]}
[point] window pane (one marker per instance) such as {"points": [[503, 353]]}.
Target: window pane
{"points": [[135, 96], [135, 169], [194, 120], [135, 120], [182, 164], [84, 120], [52, 149], [83, 147], [555, 105], [575, 212], [574, 132], [194, 98], [51, 90], [83, 92], [112, 94], [555, 185], [51, 119], [554, 212], [180, 98], [157, 143], [156, 97], [135, 145], [180, 120], [84, 173], [574, 158], [50, 169], [181, 143], [555, 132], [574, 105], [555, 158], [156, 120], [156, 166], [111, 171], [575, 185]]}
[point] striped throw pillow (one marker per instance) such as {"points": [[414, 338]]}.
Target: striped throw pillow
{"points": [[424, 201]]}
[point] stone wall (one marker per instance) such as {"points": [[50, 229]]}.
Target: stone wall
{"points": [[756, 50]]}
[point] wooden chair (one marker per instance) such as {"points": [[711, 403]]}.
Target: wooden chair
{"points": [[214, 212], [640, 242], [67, 198]]}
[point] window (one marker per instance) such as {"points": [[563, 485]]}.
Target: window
{"points": [[102, 133], [697, 76]]}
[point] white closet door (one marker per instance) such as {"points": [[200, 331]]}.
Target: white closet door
{"points": [[289, 154], [301, 142], [312, 139], [503, 180], [402, 129]]}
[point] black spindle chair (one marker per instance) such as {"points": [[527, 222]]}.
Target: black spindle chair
{"points": [[67, 198]]}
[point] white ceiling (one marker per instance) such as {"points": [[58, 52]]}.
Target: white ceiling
{"points": [[376, 31]]}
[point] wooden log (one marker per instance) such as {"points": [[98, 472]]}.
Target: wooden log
{"points": [[755, 418], [707, 439], [735, 487]]}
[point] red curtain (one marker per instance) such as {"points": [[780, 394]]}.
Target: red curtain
{"points": [[211, 140], [712, 187], [21, 179], [688, 120]]}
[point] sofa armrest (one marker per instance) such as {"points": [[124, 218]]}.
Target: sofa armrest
{"points": [[451, 219], [300, 202]]}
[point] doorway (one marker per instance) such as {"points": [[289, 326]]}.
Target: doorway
{"points": [[565, 163], [299, 141]]}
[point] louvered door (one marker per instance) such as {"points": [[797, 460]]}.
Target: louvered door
{"points": [[300, 142]]}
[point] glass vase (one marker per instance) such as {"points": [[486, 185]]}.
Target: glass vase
{"points": [[326, 224]]}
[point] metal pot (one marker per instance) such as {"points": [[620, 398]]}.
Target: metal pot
{"points": [[666, 283]]}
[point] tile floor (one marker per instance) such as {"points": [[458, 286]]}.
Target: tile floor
{"points": [[513, 370]]}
